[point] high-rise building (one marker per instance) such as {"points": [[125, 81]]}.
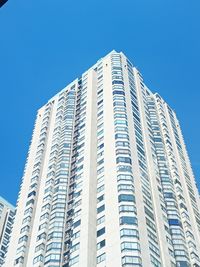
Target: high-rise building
{"points": [[7, 212], [107, 181]]}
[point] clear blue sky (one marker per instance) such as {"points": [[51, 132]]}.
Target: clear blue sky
{"points": [[45, 44]]}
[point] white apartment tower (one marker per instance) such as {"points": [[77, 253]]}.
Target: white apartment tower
{"points": [[7, 212], [108, 181]]}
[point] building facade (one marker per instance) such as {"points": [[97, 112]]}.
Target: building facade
{"points": [[7, 212], [107, 181]]}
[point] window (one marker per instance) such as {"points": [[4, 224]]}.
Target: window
{"points": [[126, 197], [127, 208], [47, 206], [21, 249], [40, 247], [117, 82], [123, 151], [128, 220], [123, 144], [101, 231], [154, 249], [101, 220], [38, 259], [31, 201], [23, 238], [29, 210], [52, 258], [55, 235], [101, 208], [124, 168], [101, 188], [33, 193], [124, 160], [125, 187], [19, 260], [131, 260], [73, 260], [75, 235], [101, 244], [100, 162], [41, 236], [121, 136], [54, 245], [75, 247], [100, 171], [125, 232], [121, 122], [174, 222], [45, 215], [118, 92], [126, 246], [27, 219], [76, 224], [101, 258], [99, 199], [157, 263], [25, 228], [123, 177]]}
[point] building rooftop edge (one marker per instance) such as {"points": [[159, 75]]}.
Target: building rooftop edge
{"points": [[7, 203]]}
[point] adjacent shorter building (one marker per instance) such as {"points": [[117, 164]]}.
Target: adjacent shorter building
{"points": [[7, 212], [108, 181]]}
